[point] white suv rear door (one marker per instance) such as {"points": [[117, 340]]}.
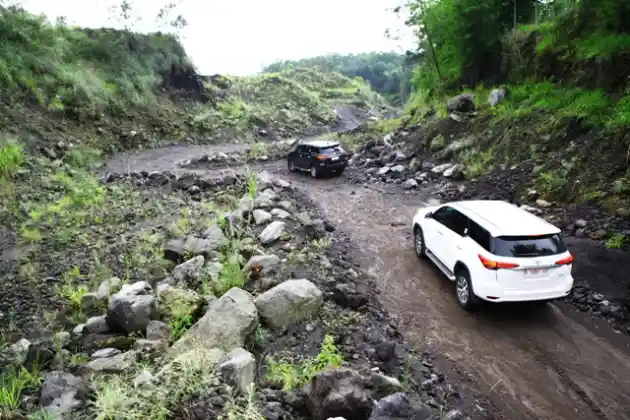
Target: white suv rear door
{"points": [[540, 263]]}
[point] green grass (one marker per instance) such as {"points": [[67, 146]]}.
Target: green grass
{"points": [[293, 373], [12, 157], [231, 275], [117, 398], [85, 73], [13, 382]]}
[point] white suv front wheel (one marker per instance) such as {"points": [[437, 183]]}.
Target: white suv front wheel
{"points": [[418, 242]]}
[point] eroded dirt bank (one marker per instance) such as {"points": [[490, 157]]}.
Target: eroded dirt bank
{"points": [[530, 363]]}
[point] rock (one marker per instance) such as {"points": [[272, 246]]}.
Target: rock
{"points": [[410, 184], [96, 325], [216, 237], [20, 350], [454, 172], [285, 205], [116, 364], [272, 232], [496, 96], [353, 296], [245, 206], [177, 300], [337, 393], [158, 331], [461, 103], [623, 212], [289, 302], [189, 270], [280, 214], [269, 193], [186, 181], [400, 156], [135, 289], [238, 369], [105, 353], [265, 179], [383, 171], [455, 415], [225, 325], [261, 216], [108, 287], [398, 407], [439, 169], [91, 342], [62, 392], [456, 146], [383, 385], [152, 347], [398, 169], [581, 223], [281, 183], [531, 209], [262, 264], [177, 249], [130, 313], [542, 203]]}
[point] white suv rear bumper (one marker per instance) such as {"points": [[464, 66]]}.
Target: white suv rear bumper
{"points": [[491, 291]]}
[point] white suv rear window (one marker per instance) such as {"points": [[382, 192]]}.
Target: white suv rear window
{"points": [[528, 246]]}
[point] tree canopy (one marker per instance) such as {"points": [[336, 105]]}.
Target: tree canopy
{"points": [[469, 42]]}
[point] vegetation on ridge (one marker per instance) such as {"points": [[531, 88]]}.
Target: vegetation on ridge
{"points": [[567, 104], [386, 72]]}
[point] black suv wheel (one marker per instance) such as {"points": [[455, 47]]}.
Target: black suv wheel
{"points": [[291, 165]]}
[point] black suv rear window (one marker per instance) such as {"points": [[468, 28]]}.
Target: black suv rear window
{"points": [[329, 150], [528, 246]]}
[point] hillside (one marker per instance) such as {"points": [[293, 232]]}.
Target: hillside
{"points": [[80, 248], [106, 84], [387, 73], [543, 108]]}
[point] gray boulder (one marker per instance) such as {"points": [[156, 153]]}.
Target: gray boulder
{"points": [[62, 392], [225, 325], [289, 302]]}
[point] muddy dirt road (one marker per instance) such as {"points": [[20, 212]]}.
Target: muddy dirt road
{"points": [[530, 363]]}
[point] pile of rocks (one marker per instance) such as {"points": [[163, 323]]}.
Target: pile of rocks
{"points": [[391, 160], [291, 296], [259, 152]]}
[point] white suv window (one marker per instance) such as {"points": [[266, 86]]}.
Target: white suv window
{"points": [[452, 219], [528, 246], [480, 235]]}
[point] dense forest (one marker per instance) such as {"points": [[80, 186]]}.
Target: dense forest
{"points": [[474, 42], [387, 72]]}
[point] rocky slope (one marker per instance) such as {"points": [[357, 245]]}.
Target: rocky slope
{"points": [[258, 313]]}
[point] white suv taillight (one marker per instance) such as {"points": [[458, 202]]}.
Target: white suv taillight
{"points": [[495, 265], [566, 261]]}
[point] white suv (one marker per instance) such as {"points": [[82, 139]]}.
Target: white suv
{"points": [[494, 251]]}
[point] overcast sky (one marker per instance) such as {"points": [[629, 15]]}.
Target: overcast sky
{"points": [[241, 36]]}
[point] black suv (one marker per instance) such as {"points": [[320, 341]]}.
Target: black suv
{"points": [[318, 157]]}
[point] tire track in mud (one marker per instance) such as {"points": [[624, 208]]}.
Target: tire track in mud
{"points": [[530, 364]]}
